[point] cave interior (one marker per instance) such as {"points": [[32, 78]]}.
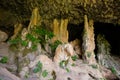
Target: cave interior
{"points": [[109, 30]]}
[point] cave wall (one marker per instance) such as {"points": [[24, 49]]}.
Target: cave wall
{"points": [[99, 10]]}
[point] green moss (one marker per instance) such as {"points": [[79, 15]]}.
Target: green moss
{"points": [[67, 69], [73, 64], [63, 63], [88, 54], [55, 45], [94, 66], [44, 73], [102, 79], [4, 60], [38, 67], [36, 35], [74, 58], [113, 70]]}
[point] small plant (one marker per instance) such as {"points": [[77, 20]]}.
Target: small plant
{"points": [[102, 79], [1, 79], [43, 34], [51, 79], [38, 67], [73, 64], [26, 75], [94, 66], [113, 70], [68, 70], [35, 36], [44, 73], [74, 58], [24, 43], [88, 54], [4, 60], [55, 44], [63, 63], [15, 41]]}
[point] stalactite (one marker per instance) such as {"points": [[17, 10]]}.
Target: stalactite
{"points": [[63, 30], [60, 30]]}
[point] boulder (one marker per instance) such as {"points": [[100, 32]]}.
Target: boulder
{"points": [[6, 75], [3, 36], [63, 52]]}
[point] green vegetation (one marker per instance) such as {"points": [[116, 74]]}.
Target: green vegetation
{"points": [[88, 54], [73, 64], [4, 60], [26, 75], [68, 70], [102, 79], [35, 36], [113, 70], [1, 79], [63, 63], [44, 73], [103, 45], [42, 34], [74, 58], [38, 67], [55, 44], [51, 79], [94, 66]]}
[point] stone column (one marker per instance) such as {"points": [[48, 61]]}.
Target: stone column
{"points": [[60, 30], [35, 19], [88, 41]]}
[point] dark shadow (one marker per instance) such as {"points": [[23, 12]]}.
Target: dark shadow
{"points": [[75, 31], [111, 33]]}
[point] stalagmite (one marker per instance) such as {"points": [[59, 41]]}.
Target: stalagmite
{"points": [[18, 28], [88, 41], [60, 30], [35, 19]]}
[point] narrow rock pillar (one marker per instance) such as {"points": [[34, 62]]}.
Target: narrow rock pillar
{"points": [[35, 19], [88, 41]]}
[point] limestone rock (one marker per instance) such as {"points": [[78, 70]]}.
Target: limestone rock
{"points": [[78, 71], [77, 46], [88, 41], [6, 75], [4, 51], [108, 74], [24, 71], [63, 52], [3, 36]]}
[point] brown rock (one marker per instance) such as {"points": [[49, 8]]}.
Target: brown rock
{"points": [[3, 36], [77, 46]]}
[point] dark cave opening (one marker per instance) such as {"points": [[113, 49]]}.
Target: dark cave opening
{"points": [[75, 31], [111, 33], [109, 30], [7, 29]]}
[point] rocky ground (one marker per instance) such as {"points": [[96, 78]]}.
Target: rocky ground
{"points": [[64, 65]]}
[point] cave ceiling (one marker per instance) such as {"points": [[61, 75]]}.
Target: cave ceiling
{"points": [[107, 11]]}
